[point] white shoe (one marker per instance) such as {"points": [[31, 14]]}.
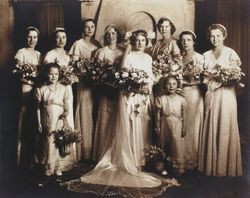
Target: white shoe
{"points": [[59, 173], [164, 172]]}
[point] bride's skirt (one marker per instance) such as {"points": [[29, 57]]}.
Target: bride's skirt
{"points": [[116, 173]]}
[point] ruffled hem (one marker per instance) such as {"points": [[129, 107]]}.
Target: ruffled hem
{"points": [[110, 191]]}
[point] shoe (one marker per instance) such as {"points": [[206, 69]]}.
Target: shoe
{"points": [[59, 173], [164, 172]]}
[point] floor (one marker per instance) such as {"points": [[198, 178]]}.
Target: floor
{"points": [[193, 185]]}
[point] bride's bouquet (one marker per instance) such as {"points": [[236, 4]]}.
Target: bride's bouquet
{"points": [[226, 76], [192, 73], [131, 80], [167, 65], [26, 72]]}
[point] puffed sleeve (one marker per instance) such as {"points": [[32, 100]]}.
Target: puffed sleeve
{"points": [[48, 58], [100, 54], [38, 95], [199, 61], [75, 49], [19, 57], [127, 62], [234, 58], [175, 48]]}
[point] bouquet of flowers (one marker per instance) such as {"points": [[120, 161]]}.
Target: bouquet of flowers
{"points": [[156, 159], [226, 76], [127, 80], [92, 69], [166, 65], [63, 138], [27, 72], [192, 73], [68, 75]]}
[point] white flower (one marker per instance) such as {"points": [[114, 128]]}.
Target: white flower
{"points": [[127, 35], [124, 74]]}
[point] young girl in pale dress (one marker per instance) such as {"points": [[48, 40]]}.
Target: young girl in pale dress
{"points": [[192, 61], [111, 54], [60, 56], [171, 123], [52, 108], [84, 116], [27, 133], [219, 150]]}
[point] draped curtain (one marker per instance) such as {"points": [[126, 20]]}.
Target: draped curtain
{"points": [[51, 16], [233, 14]]}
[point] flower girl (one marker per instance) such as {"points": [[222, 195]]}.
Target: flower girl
{"points": [[170, 126], [52, 108]]}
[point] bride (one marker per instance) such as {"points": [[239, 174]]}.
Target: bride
{"points": [[120, 166]]}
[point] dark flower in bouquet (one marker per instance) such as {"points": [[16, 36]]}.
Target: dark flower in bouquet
{"points": [[226, 76], [26, 72], [68, 76], [156, 159], [192, 73], [167, 65]]}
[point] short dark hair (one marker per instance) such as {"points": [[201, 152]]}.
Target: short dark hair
{"points": [[137, 33], [53, 36], [119, 34], [47, 68], [187, 33], [161, 20], [166, 79]]}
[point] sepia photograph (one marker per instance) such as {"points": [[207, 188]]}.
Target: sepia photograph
{"points": [[124, 98]]}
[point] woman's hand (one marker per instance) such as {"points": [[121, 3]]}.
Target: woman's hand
{"points": [[64, 115], [213, 85]]}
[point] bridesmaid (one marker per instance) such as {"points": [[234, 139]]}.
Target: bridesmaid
{"points": [[166, 45], [27, 130], [61, 57], [111, 53], [220, 152], [193, 96], [84, 122]]}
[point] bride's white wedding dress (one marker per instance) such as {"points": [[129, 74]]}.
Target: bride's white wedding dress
{"points": [[118, 167]]}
